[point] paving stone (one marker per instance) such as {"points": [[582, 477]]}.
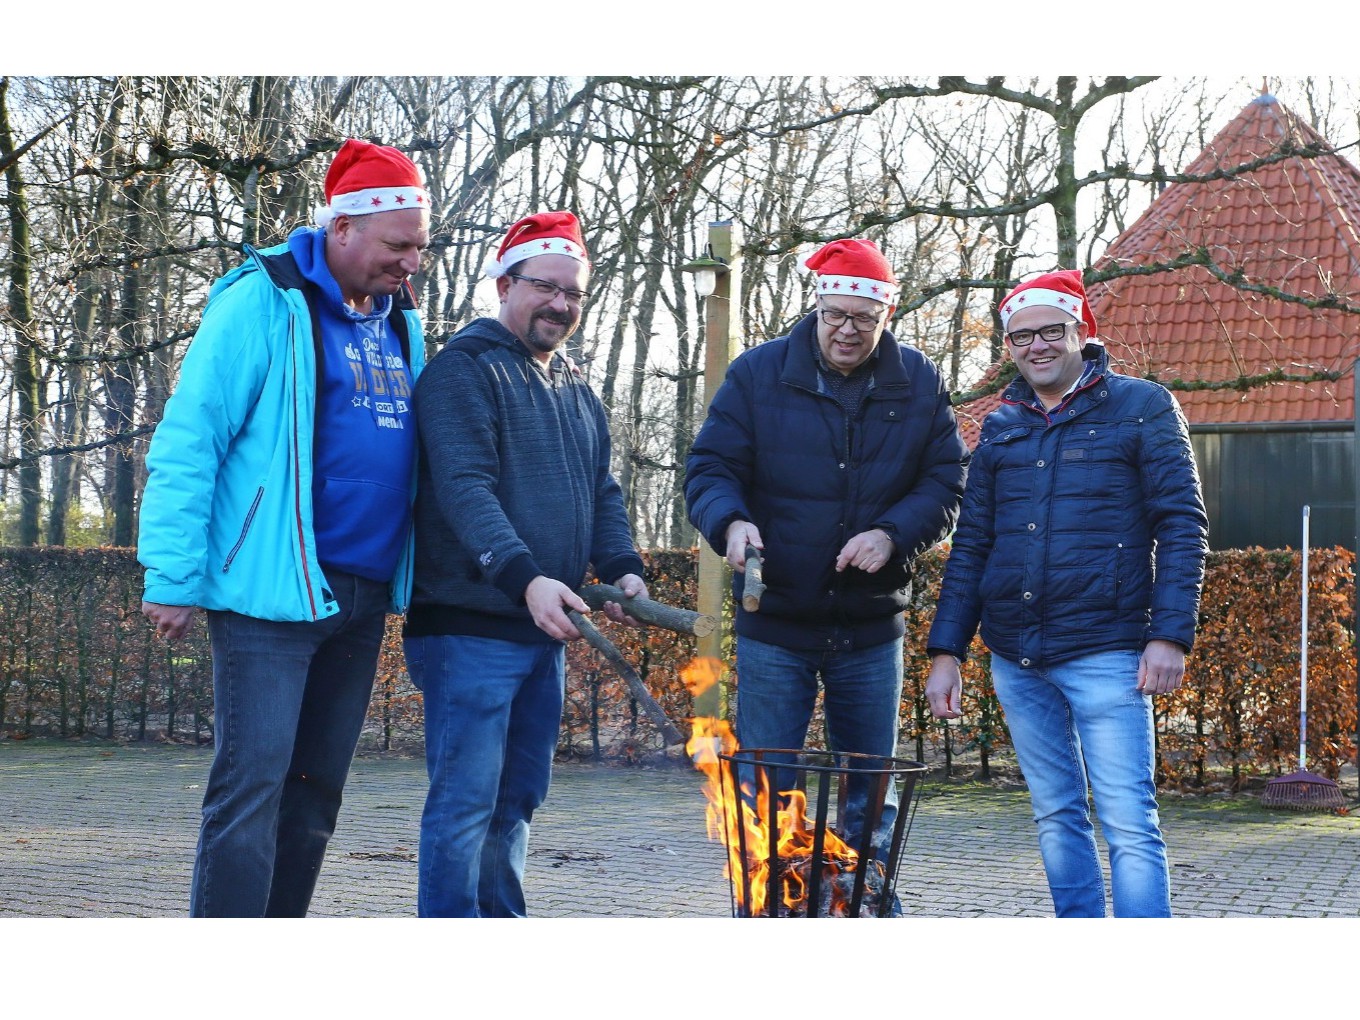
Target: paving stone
{"points": [[104, 831]]}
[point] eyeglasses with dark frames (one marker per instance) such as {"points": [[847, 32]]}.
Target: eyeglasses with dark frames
{"points": [[836, 319], [550, 290], [1051, 334]]}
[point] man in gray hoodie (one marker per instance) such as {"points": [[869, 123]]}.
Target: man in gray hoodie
{"points": [[515, 500]]}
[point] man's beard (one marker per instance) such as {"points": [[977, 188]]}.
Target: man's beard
{"points": [[537, 342]]}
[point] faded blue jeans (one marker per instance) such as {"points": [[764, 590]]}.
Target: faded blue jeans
{"points": [[862, 692], [1078, 721], [289, 704], [492, 713]]}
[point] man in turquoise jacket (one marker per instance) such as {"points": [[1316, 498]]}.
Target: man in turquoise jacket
{"points": [[278, 499]]}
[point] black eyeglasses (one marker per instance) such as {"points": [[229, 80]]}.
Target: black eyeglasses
{"points": [[550, 290], [836, 319], [1051, 334]]}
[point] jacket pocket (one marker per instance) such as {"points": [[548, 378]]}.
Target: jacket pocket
{"points": [[245, 529]]}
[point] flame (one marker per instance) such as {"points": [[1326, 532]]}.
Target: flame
{"points": [[737, 821]]}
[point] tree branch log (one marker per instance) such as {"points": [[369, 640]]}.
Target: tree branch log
{"points": [[682, 621], [754, 585], [615, 658]]}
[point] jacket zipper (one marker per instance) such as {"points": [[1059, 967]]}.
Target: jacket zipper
{"points": [[297, 484], [245, 528]]}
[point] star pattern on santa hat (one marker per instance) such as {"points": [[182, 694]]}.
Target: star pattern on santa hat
{"points": [[1061, 289], [548, 234], [366, 178], [854, 286]]}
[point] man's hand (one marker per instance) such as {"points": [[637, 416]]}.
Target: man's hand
{"points": [[1162, 667], [634, 587], [548, 602], [944, 687], [869, 550], [739, 534], [172, 622]]}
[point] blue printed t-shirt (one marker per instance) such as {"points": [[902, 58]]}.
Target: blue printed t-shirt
{"points": [[365, 447]]}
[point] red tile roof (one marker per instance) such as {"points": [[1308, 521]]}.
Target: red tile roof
{"points": [[1293, 225]]}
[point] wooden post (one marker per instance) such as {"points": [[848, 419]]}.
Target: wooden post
{"points": [[1355, 630], [722, 318]]}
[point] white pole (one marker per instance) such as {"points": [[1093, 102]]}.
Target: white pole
{"points": [[1303, 654]]}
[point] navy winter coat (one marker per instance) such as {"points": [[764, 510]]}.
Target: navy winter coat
{"points": [[777, 450], [1081, 532]]}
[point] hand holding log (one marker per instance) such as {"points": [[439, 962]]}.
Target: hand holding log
{"points": [[754, 585], [682, 621], [615, 658]]}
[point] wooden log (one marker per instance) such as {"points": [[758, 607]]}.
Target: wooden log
{"points": [[754, 585], [682, 621], [615, 658]]}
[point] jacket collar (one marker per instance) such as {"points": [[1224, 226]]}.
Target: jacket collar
{"points": [[800, 364]]}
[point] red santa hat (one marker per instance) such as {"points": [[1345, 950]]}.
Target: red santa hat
{"points": [[546, 233], [855, 268], [366, 178], [1061, 289]]}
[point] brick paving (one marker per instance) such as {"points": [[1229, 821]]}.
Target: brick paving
{"points": [[109, 831]]}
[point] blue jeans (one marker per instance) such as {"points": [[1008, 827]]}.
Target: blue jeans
{"points": [[492, 712], [1082, 720], [290, 701], [861, 698]]}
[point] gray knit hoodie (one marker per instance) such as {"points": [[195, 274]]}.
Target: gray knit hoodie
{"points": [[514, 482]]}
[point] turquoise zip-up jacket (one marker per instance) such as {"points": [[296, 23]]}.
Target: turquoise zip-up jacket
{"points": [[226, 516]]}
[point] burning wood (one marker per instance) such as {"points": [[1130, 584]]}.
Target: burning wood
{"points": [[814, 871], [836, 889]]}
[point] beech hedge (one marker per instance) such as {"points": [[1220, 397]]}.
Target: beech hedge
{"points": [[78, 660]]}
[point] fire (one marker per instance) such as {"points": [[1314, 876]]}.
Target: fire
{"points": [[736, 816]]}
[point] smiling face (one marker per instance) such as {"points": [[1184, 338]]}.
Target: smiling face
{"points": [[847, 346], [1049, 366], [542, 323], [374, 254]]}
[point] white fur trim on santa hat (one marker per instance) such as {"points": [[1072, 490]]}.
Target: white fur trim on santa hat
{"points": [[530, 249], [371, 200], [1042, 298], [857, 286]]}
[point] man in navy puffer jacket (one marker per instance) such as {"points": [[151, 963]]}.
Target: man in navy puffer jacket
{"points": [[1080, 551], [835, 451]]}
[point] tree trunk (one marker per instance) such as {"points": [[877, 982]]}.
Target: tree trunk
{"points": [[27, 374], [120, 380]]}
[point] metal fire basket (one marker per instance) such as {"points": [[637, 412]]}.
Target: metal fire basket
{"points": [[764, 779]]}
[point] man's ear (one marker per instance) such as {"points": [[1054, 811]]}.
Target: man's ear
{"points": [[341, 227]]}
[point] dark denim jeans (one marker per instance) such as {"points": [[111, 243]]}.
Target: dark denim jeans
{"points": [[862, 690], [290, 701], [492, 712]]}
